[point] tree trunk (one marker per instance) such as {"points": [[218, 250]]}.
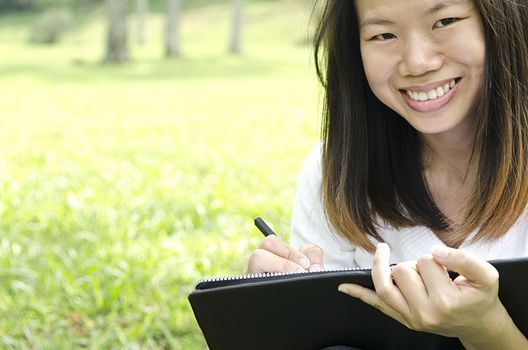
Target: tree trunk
{"points": [[117, 35], [235, 45], [172, 30], [142, 11]]}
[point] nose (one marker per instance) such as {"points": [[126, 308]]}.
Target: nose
{"points": [[419, 56]]}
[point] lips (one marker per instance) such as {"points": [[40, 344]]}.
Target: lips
{"points": [[429, 98]]}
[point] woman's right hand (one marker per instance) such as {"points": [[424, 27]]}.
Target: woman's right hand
{"points": [[274, 255]]}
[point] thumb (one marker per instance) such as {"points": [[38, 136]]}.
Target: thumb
{"points": [[466, 264], [315, 255]]}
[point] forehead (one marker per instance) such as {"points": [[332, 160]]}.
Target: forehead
{"points": [[404, 8]]}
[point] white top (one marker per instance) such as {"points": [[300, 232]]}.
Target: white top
{"points": [[309, 225]]}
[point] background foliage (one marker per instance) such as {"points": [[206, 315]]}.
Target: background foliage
{"points": [[121, 186], [31, 5]]}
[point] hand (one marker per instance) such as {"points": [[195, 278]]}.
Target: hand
{"points": [[274, 255], [421, 295]]}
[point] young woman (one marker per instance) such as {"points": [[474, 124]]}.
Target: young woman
{"points": [[425, 151]]}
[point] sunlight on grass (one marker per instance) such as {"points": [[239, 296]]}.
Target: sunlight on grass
{"points": [[123, 186]]}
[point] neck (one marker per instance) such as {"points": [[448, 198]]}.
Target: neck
{"points": [[448, 171], [449, 153]]}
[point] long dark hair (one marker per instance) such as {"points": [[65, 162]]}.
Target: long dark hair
{"points": [[372, 158]]}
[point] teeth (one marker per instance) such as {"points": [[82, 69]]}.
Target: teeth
{"points": [[433, 94]]}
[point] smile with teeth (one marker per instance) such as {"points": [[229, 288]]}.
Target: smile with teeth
{"points": [[433, 94]]}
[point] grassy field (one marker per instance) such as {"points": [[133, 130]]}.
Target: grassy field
{"points": [[122, 186]]}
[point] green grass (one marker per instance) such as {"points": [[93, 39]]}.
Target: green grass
{"points": [[121, 186]]}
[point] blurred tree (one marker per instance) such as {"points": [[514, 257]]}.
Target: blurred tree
{"points": [[117, 32], [22, 5], [172, 32], [15, 4], [142, 12], [50, 25], [235, 45]]}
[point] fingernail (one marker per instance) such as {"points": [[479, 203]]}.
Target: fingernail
{"points": [[440, 251], [315, 268], [304, 263], [382, 246], [342, 289]]}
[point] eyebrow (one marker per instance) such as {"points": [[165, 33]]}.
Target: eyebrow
{"points": [[443, 4], [376, 22], [438, 7]]}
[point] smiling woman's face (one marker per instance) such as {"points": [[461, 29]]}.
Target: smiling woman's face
{"points": [[424, 59]]}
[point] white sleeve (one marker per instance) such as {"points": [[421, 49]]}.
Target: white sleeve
{"points": [[309, 223]]}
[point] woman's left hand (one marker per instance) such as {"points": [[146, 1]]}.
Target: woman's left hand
{"points": [[422, 296]]}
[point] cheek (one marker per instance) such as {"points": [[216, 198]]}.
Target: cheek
{"points": [[471, 53], [479, 56], [378, 74]]}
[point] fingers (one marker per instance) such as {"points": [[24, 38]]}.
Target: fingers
{"points": [[410, 284], [421, 295], [435, 277], [382, 278], [275, 245], [274, 255], [471, 267], [262, 261], [315, 254]]}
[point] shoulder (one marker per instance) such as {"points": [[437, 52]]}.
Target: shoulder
{"points": [[309, 222], [311, 171]]}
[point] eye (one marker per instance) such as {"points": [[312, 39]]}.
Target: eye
{"points": [[384, 37], [445, 22]]}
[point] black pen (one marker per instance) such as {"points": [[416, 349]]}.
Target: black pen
{"points": [[263, 227]]}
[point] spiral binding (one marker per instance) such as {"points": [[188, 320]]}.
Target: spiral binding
{"points": [[273, 274], [279, 274]]}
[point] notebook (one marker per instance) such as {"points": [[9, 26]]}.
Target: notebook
{"points": [[305, 311]]}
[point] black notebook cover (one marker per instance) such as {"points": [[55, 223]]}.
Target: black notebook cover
{"points": [[305, 311]]}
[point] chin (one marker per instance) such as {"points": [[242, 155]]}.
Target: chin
{"points": [[432, 128]]}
